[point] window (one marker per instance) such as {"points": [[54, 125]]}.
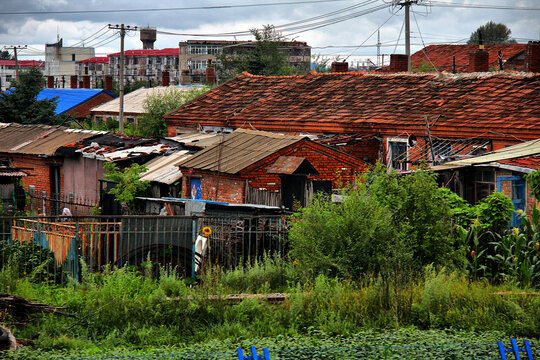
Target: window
{"points": [[197, 64], [397, 154], [72, 57], [203, 49], [484, 184]]}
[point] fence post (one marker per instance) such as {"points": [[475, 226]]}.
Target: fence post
{"points": [[193, 241], [44, 196], [515, 349]]}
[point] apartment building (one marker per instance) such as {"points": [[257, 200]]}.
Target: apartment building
{"points": [[60, 62], [8, 72], [195, 55], [147, 65]]}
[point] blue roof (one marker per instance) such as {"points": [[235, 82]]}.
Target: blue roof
{"points": [[70, 98]]}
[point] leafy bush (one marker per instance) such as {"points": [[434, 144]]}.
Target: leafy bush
{"points": [[495, 212]]}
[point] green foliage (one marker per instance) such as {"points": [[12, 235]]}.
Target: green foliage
{"points": [[128, 182], [344, 240], [419, 214], [390, 223], [27, 260], [5, 55], [320, 64], [424, 67], [517, 254], [265, 58], [20, 104], [495, 212], [533, 181], [156, 105], [492, 33], [460, 210]]}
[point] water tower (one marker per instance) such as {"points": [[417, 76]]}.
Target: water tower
{"points": [[148, 37]]}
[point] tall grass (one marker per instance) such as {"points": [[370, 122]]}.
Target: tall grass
{"points": [[127, 308]]}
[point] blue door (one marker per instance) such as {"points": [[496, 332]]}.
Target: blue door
{"points": [[517, 187]]}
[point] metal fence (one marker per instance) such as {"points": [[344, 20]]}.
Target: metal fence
{"points": [[57, 245]]}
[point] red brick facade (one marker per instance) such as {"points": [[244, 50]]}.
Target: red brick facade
{"points": [[332, 165], [83, 110]]}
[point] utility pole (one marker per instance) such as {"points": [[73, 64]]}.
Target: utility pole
{"points": [[123, 30], [14, 48], [378, 47], [407, 4]]}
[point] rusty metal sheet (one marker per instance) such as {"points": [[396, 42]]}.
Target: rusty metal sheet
{"points": [[239, 150], [288, 165]]}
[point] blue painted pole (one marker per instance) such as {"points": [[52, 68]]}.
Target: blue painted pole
{"points": [[528, 349], [240, 354], [502, 350], [266, 354], [254, 353], [515, 348]]}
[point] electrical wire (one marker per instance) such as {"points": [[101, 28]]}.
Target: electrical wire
{"points": [[399, 37], [168, 9], [94, 34], [373, 33], [424, 48], [480, 6]]}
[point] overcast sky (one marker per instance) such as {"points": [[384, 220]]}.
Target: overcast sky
{"points": [[36, 22]]}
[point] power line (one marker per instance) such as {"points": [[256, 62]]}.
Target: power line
{"points": [[168, 9], [480, 6], [82, 41]]}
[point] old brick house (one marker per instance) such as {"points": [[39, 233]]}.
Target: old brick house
{"points": [[503, 170], [251, 166], [400, 119]]}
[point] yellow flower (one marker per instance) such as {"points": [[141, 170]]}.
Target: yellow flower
{"points": [[515, 231], [207, 230]]}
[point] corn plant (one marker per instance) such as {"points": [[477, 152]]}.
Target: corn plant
{"points": [[517, 253]]}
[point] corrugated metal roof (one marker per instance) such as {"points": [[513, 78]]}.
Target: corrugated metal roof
{"points": [[197, 140], [70, 98], [108, 153], [239, 150], [163, 169], [133, 101], [289, 165], [525, 149], [39, 139]]}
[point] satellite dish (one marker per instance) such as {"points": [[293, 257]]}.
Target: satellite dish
{"points": [[412, 140]]}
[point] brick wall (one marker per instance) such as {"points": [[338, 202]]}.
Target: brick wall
{"points": [[83, 110], [332, 165], [39, 173]]}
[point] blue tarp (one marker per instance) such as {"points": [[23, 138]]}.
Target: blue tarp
{"points": [[70, 98]]}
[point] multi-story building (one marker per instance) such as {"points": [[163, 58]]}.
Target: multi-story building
{"points": [[96, 68], [195, 55], [8, 72], [60, 61], [146, 65]]}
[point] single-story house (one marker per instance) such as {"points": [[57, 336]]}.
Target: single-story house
{"points": [[503, 170], [76, 102], [259, 167]]}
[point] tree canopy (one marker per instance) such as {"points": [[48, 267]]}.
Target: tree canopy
{"points": [[5, 55], [156, 105], [266, 57], [19, 104], [491, 33]]}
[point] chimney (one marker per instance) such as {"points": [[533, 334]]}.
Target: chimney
{"points": [[73, 81], [210, 73], [148, 37], [86, 81], [340, 66], [50, 82], [533, 56], [108, 82], [478, 61], [399, 63], [165, 79]]}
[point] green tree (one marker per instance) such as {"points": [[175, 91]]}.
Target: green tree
{"points": [[156, 105], [533, 180], [5, 55], [128, 182], [19, 105], [266, 57], [492, 33]]}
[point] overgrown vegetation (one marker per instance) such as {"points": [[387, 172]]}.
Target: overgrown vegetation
{"points": [[399, 255], [128, 183]]}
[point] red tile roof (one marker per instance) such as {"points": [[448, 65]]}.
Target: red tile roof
{"points": [[95, 60], [442, 55], [532, 162], [23, 63], [493, 105], [153, 52]]}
